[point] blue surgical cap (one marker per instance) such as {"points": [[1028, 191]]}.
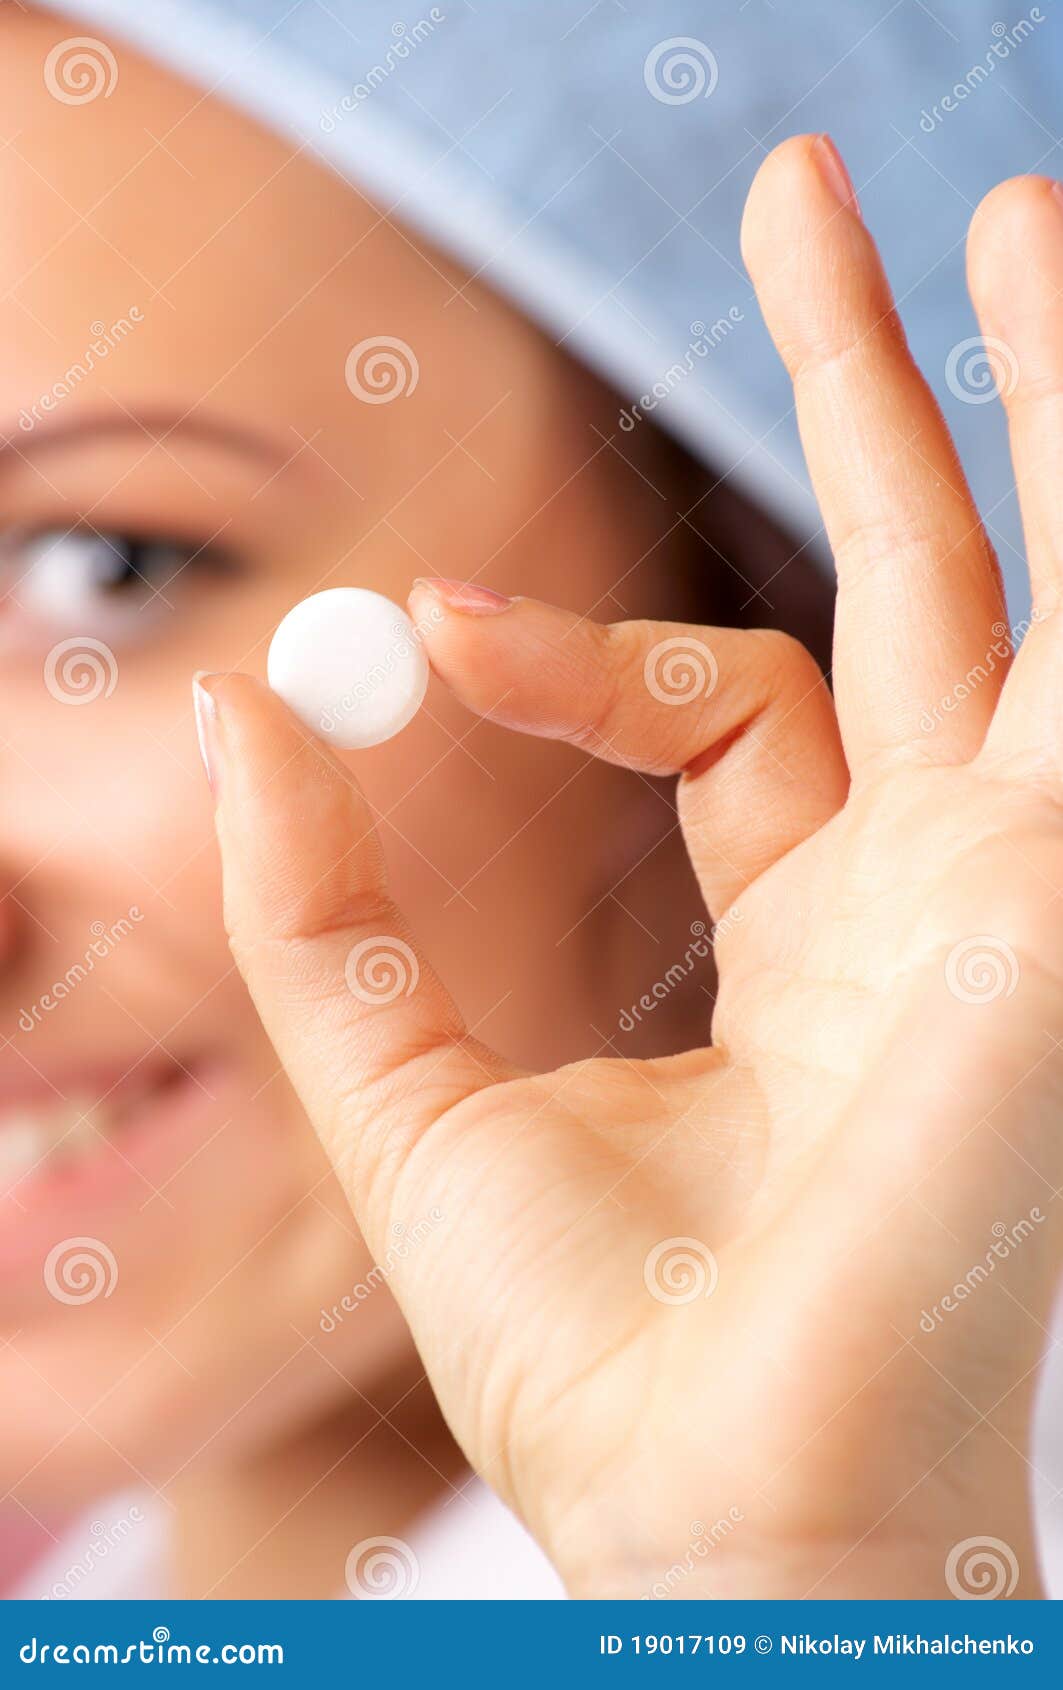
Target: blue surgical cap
{"points": [[589, 159]]}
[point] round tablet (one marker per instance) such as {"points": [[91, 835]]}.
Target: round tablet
{"points": [[350, 665]]}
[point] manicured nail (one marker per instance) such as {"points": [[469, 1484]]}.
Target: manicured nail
{"points": [[467, 597], [206, 708], [1057, 194], [834, 173]]}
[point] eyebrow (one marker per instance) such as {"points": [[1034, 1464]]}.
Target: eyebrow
{"points": [[156, 424]]}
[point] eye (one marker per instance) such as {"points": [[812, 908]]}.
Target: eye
{"points": [[108, 583]]}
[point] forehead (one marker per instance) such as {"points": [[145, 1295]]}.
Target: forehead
{"points": [[159, 196]]}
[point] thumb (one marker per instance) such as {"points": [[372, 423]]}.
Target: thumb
{"points": [[370, 1038]]}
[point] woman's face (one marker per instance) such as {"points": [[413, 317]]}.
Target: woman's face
{"points": [[185, 458]]}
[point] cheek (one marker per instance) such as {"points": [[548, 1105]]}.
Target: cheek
{"points": [[116, 826], [242, 1232], [108, 753]]}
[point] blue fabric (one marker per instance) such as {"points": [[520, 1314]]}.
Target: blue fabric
{"points": [[533, 141]]}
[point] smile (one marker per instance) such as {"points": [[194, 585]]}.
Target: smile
{"points": [[77, 1146], [42, 1136]]}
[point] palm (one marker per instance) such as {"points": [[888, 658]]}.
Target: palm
{"points": [[650, 1221], [667, 1292]]}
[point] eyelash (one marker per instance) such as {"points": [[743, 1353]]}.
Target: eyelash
{"points": [[196, 551], [113, 578]]}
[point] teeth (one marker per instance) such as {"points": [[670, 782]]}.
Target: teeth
{"points": [[67, 1130], [83, 1132], [23, 1144]]}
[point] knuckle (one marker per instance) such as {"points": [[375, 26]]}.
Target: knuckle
{"points": [[667, 682], [1034, 390], [324, 913], [788, 659], [876, 543], [608, 691], [845, 354]]}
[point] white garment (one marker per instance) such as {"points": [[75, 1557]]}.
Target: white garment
{"points": [[1046, 1476], [469, 1547], [466, 1548]]}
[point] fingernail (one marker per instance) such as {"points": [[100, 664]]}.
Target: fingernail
{"points": [[467, 597], [206, 708], [834, 173], [1057, 194]]}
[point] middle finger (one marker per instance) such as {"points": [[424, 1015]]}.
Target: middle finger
{"points": [[920, 603]]}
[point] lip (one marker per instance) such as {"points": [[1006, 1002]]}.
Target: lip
{"points": [[26, 1082], [165, 1109]]}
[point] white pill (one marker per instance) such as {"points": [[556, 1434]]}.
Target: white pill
{"points": [[350, 665]]}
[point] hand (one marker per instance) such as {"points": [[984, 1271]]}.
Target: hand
{"points": [[762, 1331]]}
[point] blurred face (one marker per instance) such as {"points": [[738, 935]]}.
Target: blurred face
{"points": [[189, 451]]}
